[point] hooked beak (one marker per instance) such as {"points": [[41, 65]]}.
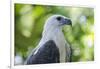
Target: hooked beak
{"points": [[66, 22]]}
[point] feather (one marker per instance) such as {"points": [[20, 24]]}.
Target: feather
{"points": [[52, 47]]}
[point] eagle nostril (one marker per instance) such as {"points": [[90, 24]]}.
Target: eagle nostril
{"points": [[69, 21]]}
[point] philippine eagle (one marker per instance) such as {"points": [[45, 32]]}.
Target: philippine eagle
{"points": [[52, 48]]}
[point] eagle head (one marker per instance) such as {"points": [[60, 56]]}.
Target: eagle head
{"points": [[55, 23], [58, 20]]}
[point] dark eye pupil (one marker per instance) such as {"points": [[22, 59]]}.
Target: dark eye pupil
{"points": [[59, 18]]}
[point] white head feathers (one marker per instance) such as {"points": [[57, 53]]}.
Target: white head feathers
{"points": [[55, 22]]}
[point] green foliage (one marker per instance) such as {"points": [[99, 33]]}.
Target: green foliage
{"points": [[30, 19]]}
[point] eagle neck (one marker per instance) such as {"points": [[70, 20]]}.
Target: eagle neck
{"points": [[57, 36]]}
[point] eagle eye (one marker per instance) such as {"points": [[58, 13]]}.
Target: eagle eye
{"points": [[58, 18]]}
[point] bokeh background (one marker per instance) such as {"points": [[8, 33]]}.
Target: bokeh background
{"points": [[29, 22]]}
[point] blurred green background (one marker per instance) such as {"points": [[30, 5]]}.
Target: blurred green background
{"points": [[29, 22]]}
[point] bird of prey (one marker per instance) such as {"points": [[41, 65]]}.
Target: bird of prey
{"points": [[52, 48]]}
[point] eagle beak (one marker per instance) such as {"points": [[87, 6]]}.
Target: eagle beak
{"points": [[68, 22]]}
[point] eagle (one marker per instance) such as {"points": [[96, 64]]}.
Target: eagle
{"points": [[53, 47]]}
